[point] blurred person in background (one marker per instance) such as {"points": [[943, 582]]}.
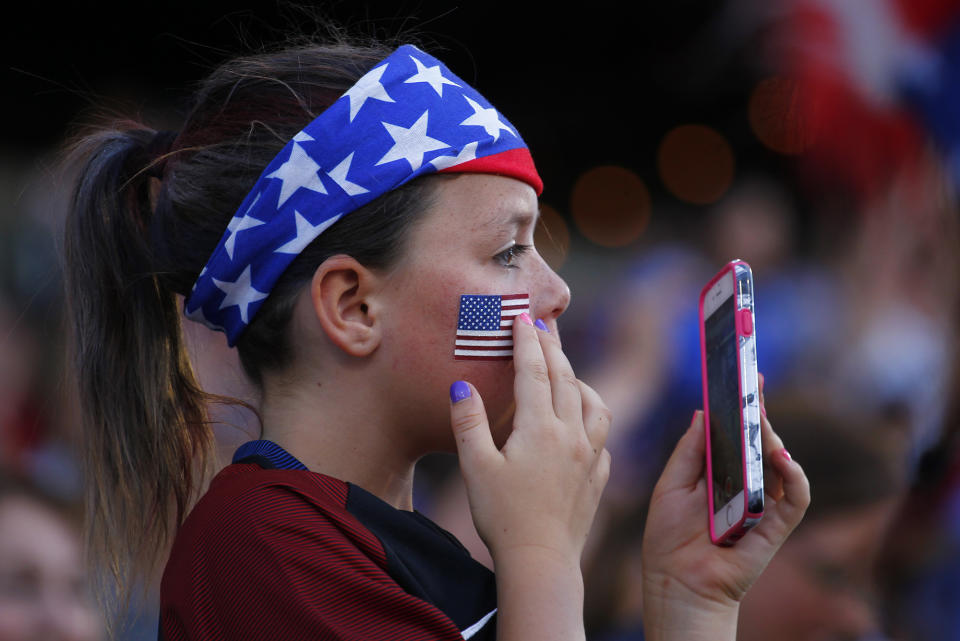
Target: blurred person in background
{"points": [[44, 589], [22, 426], [900, 283], [824, 587], [920, 564]]}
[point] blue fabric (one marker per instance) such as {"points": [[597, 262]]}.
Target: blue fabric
{"points": [[277, 457]]}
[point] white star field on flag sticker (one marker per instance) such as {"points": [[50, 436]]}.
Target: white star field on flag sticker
{"points": [[430, 75], [489, 119], [367, 88], [305, 234], [241, 293], [300, 170], [411, 143]]}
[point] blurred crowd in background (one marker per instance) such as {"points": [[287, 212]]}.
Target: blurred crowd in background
{"points": [[831, 164]]}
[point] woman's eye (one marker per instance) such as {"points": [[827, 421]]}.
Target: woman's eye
{"points": [[508, 256]]}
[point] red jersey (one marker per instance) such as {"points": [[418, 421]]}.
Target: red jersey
{"points": [[292, 554]]}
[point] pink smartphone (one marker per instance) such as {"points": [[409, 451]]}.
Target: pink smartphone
{"points": [[731, 403]]}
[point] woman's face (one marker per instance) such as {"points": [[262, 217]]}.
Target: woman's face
{"points": [[476, 238], [43, 586], [819, 587]]}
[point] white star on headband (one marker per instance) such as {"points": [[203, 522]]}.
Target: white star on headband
{"points": [[339, 176], [366, 88], [430, 75], [240, 292], [411, 144], [305, 234], [239, 223], [489, 119], [300, 170], [469, 152]]}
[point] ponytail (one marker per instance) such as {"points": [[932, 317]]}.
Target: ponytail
{"points": [[147, 212], [146, 439]]}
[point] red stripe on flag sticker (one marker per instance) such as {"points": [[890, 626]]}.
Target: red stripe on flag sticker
{"points": [[484, 358], [484, 328]]}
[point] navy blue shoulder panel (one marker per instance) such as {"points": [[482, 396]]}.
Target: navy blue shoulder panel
{"points": [[267, 455]]}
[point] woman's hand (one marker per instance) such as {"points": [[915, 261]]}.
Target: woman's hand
{"points": [[533, 501], [692, 588]]}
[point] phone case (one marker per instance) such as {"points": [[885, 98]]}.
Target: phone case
{"points": [[749, 392]]}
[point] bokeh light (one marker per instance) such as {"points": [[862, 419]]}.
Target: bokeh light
{"points": [[774, 115], [610, 205], [552, 236], [695, 163]]}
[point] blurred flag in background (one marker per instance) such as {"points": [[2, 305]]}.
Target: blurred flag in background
{"points": [[876, 82]]}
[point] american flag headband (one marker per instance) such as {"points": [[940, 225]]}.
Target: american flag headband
{"points": [[407, 117]]}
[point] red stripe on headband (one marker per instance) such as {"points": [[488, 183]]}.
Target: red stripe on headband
{"points": [[515, 163]]}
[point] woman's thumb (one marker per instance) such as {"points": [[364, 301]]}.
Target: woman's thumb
{"points": [[685, 466], [468, 418]]}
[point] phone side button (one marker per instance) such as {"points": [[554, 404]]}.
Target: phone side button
{"points": [[746, 322]]}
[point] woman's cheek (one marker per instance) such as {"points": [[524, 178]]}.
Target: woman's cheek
{"points": [[429, 356], [494, 381]]}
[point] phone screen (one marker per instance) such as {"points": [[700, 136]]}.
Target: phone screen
{"points": [[720, 335]]}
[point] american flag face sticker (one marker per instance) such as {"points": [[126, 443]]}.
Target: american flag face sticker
{"points": [[485, 326]]}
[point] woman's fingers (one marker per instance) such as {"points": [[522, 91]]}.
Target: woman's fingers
{"points": [[783, 515], [468, 418], [564, 386], [784, 482], [545, 380], [596, 417], [796, 488], [542, 488], [772, 447], [532, 383]]}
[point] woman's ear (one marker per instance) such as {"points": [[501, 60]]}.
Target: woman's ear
{"points": [[343, 293]]}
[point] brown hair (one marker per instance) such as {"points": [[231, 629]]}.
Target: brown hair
{"points": [[148, 209]]}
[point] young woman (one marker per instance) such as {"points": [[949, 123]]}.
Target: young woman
{"points": [[359, 222]]}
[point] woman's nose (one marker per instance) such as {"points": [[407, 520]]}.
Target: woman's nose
{"points": [[552, 295]]}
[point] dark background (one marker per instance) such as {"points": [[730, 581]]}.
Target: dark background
{"points": [[594, 85]]}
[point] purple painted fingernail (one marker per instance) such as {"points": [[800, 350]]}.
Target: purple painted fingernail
{"points": [[459, 391], [541, 325]]}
